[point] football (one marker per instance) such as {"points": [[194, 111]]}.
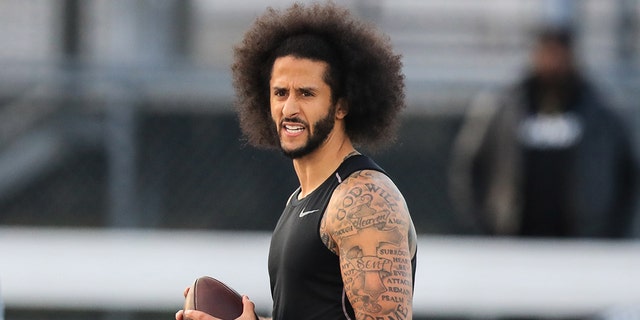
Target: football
{"points": [[215, 298]]}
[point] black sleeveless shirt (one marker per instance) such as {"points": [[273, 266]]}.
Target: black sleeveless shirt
{"points": [[306, 282]]}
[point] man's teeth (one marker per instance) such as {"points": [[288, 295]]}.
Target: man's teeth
{"points": [[291, 128]]}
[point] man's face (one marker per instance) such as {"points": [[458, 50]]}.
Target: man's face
{"points": [[552, 61], [301, 105]]}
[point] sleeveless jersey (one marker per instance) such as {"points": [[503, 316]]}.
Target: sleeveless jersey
{"points": [[306, 282]]}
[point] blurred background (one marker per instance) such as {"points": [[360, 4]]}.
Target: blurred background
{"points": [[117, 115]]}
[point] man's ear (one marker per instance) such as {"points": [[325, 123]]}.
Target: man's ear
{"points": [[341, 109]]}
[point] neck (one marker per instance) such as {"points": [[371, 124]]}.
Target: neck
{"points": [[313, 169]]}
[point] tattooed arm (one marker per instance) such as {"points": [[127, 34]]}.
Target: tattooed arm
{"points": [[368, 225]]}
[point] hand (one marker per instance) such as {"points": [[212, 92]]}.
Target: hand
{"points": [[248, 312]]}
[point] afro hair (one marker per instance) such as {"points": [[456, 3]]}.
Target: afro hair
{"points": [[363, 71]]}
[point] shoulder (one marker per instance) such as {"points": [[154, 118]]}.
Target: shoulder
{"points": [[365, 202], [362, 187]]}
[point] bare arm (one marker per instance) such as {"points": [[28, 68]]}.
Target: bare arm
{"points": [[368, 225]]}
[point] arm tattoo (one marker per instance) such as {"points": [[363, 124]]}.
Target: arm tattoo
{"points": [[368, 225]]}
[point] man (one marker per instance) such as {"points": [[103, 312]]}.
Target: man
{"points": [[345, 246], [547, 157]]}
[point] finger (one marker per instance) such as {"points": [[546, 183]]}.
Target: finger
{"points": [[179, 315], [186, 291], [198, 315], [248, 308]]}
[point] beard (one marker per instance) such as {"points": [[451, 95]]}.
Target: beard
{"points": [[321, 130]]}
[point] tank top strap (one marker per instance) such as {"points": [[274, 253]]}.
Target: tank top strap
{"points": [[356, 163]]}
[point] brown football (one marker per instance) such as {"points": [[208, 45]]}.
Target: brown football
{"points": [[215, 298]]}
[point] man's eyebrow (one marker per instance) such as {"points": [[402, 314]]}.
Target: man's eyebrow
{"points": [[307, 89], [299, 89]]}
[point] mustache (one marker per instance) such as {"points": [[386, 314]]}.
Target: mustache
{"points": [[294, 120]]}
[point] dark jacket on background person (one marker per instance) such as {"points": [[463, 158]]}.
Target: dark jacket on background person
{"points": [[488, 173]]}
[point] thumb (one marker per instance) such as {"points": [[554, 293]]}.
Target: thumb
{"points": [[248, 307]]}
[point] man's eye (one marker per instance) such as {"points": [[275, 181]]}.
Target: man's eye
{"points": [[307, 94], [279, 93]]}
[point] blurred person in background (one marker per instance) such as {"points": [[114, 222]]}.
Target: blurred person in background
{"points": [[546, 157]]}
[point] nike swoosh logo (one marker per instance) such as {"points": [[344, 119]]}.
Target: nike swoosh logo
{"points": [[304, 213]]}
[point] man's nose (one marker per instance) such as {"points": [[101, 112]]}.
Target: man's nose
{"points": [[290, 107]]}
